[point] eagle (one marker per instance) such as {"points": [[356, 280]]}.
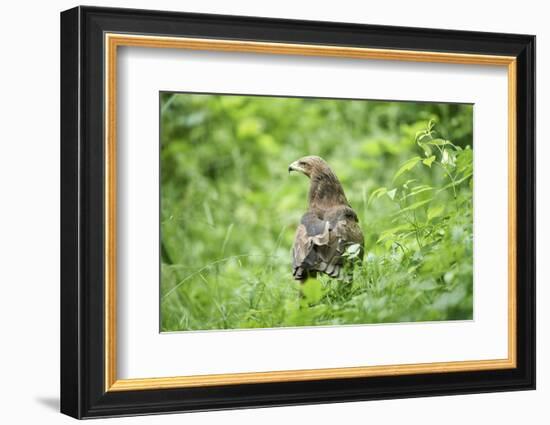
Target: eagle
{"points": [[329, 231]]}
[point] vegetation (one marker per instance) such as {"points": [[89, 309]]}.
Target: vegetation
{"points": [[229, 210]]}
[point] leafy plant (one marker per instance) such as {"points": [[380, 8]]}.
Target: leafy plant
{"points": [[229, 210]]}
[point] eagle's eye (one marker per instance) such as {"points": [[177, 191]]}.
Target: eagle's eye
{"points": [[301, 163]]}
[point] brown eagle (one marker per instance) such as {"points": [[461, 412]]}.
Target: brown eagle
{"points": [[328, 229]]}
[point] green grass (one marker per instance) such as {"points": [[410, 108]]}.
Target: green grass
{"points": [[229, 210]]}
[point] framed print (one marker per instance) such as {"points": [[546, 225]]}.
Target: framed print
{"points": [[261, 212]]}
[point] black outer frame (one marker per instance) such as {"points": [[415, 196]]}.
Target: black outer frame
{"points": [[82, 217]]}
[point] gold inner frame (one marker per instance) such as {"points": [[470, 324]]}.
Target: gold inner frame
{"points": [[113, 41]]}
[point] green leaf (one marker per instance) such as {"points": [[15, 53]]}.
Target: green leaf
{"points": [[391, 194], [445, 157], [421, 135], [394, 230], [436, 211], [407, 166], [448, 158], [418, 190], [428, 161], [414, 206], [312, 290], [420, 187], [464, 161], [439, 142], [456, 183], [427, 150], [377, 194]]}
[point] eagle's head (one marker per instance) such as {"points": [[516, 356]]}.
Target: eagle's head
{"points": [[309, 165], [325, 189]]}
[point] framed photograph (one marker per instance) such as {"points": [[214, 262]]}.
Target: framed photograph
{"points": [[261, 212]]}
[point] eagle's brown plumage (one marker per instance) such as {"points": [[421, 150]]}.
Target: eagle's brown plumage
{"points": [[328, 227]]}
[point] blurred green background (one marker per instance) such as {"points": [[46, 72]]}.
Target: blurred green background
{"points": [[229, 210]]}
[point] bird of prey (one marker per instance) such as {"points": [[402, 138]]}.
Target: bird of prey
{"points": [[329, 230]]}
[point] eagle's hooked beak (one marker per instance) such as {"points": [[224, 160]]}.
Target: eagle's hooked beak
{"points": [[295, 167]]}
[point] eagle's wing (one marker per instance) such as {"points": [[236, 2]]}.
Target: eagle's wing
{"points": [[311, 233], [320, 242]]}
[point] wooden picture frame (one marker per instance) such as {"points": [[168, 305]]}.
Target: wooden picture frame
{"points": [[90, 39]]}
